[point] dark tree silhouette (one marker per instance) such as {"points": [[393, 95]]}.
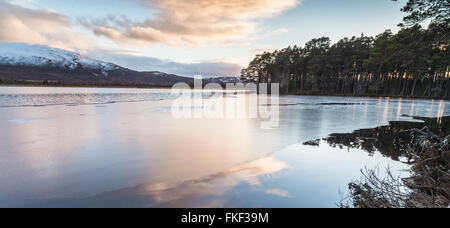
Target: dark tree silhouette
{"points": [[420, 10]]}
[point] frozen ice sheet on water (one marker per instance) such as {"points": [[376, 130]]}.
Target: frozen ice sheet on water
{"points": [[28, 120]]}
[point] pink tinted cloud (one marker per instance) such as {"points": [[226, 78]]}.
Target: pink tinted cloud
{"points": [[41, 26], [190, 21]]}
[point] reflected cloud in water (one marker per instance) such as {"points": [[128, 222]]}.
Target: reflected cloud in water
{"points": [[209, 191]]}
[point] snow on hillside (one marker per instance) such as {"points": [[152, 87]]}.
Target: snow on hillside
{"points": [[18, 54]]}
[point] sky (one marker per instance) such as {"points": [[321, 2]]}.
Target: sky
{"points": [[189, 37]]}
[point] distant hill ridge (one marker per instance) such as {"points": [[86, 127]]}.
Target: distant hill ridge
{"points": [[23, 63]]}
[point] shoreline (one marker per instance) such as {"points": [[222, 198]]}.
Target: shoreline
{"points": [[168, 87], [369, 96], [424, 146], [87, 86]]}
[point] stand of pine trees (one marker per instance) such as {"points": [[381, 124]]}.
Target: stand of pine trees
{"points": [[415, 62]]}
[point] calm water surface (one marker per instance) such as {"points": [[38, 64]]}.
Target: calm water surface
{"points": [[84, 147]]}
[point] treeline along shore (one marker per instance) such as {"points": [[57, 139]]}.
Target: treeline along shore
{"points": [[412, 63], [415, 62]]}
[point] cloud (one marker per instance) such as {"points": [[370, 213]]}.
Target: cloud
{"points": [[190, 21], [277, 32], [278, 192], [41, 26], [141, 63], [18, 2]]}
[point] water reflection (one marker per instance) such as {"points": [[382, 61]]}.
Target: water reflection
{"points": [[193, 193], [390, 140], [93, 155], [36, 96]]}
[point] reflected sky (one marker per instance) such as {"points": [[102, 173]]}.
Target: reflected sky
{"points": [[135, 154]]}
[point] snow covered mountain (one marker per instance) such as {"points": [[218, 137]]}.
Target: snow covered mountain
{"points": [[19, 54], [36, 64]]}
